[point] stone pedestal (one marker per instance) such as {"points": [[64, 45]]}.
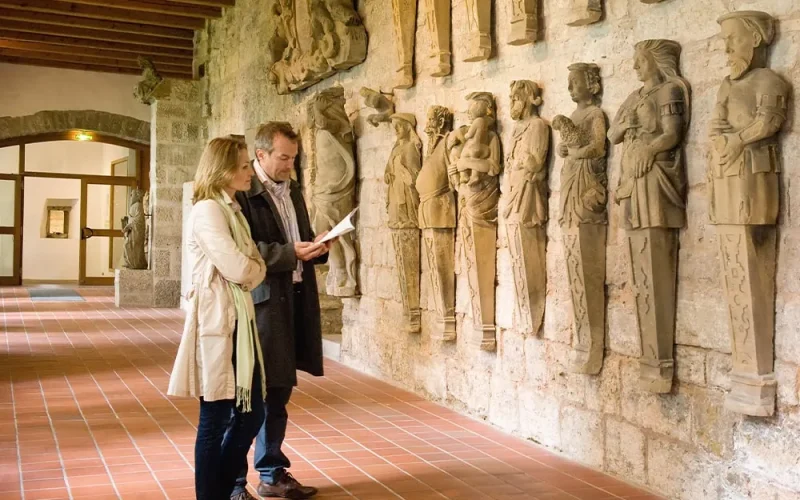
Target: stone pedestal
{"points": [[439, 245], [529, 266], [524, 22], [479, 26], [480, 241], [133, 288], [583, 12], [748, 253], [406, 249]]}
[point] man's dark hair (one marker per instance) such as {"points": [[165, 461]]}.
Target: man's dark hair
{"points": [[266, 135]]}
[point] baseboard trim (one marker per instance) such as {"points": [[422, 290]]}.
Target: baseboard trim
{"points": [[49, 282]]}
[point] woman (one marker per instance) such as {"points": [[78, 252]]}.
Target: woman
{"points": [[219, 359]]}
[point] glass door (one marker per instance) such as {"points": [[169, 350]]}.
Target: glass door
{"points": [[103, 205], [10, 230]]}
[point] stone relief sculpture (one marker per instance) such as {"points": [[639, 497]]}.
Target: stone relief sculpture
{"points": [[134, 232], [479, 30], [583, 215], [402, 204], [583, 12], [437, 18], [404, 20], [313, 40], [651, 125], [333, 174], [751, 108], [524, 22], [476, 164], [437, 219], [526, 211], [145, 90], [380, 102]]}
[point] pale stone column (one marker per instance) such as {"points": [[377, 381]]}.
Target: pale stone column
{"points": [[406, 248], [439, 246]]}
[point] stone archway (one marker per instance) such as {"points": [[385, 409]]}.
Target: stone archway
{"points": [[47, 122]]}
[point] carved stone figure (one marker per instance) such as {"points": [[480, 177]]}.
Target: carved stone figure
{"points": [[146, 89], [583, 12], [380, 102], [437, 18], [313, 40], [402, 203], [651, 125], [524, 22], [133, 229], [743, 182], [526, 211], [333, 174], [479, 30], [404, 18], [583, 215], [437, 219], [476, 165]]}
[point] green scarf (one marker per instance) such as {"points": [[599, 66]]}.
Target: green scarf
{"points": [[248, 345]]}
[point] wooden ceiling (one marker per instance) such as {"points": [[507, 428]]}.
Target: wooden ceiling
{"points": [[104, 35]]}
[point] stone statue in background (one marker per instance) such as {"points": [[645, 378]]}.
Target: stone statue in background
{"points": [[526, 211], [583, 216], [134, 231], [333, 170], [751, 108], [437, 18], [404, 20], [146, 90], [524, 22], [402, 203], [380, 102], [476, 149], [479, 30], [437, 219], [583, 12], [651, 125]]}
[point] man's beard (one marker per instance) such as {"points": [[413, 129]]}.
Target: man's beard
{"points": [[739, 66], [517, 111]]}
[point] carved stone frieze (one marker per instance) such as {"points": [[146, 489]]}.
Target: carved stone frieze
{"points": [[524, 22], [583, 12], [479, 30], [380, 102], [437, 19], [652, 124], [404, 20]]}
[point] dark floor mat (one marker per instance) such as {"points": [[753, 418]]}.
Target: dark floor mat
{"points": [[55, 295]]}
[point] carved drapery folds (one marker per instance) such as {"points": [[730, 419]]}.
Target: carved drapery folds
{"points": [[404, 20], [475, 166], [524, 22], [134, 229], [402, 204], [479, 30], [526, 211], [333, 179], [583, 214], [583, 12], [314, 39], [437, 219], [743, 182], [437, 18], [652, 124]]}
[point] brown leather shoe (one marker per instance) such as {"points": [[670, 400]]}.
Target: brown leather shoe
{"points": [[286, 487]]}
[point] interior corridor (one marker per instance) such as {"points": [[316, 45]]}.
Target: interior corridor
{"points": [[84, 415]]}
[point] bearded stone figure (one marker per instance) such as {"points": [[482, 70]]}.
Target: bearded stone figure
{"points": [[743, 182], [526, 211], [651, 126], [583, 216]]}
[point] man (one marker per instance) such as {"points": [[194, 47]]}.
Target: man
{"points": [[287, 303]]}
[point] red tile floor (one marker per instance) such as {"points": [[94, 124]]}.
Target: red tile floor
{"points": [[84, 415]]}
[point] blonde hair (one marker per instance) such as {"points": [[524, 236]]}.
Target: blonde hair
{"points": [[217, 167]]}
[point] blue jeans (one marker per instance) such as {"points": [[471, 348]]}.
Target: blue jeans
{"points": [[269, 460], [224, 436]]}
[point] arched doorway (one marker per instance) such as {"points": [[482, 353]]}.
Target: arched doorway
{"points": [[99, 196]]}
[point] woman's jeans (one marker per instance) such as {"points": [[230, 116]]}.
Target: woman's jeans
{"points": [[224, 436]]}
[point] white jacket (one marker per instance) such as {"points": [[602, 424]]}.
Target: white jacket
{"points": [[204, 366]]}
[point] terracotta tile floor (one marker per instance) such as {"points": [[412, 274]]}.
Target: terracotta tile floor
{"points": [[84, 415]]}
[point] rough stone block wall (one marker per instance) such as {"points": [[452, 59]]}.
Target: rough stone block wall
{"points": [[179, 135], [684, 444]]}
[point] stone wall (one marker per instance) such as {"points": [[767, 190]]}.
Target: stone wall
{"points": [[684, 444]]}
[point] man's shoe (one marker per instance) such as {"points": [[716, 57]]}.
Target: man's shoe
{"points": [[244, 495], [286, 487]]}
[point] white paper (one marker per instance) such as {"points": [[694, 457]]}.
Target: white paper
{"points": [[343, 227]]}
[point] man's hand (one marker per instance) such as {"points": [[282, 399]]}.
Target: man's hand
{"points": [[306, 250], [328, 243]]}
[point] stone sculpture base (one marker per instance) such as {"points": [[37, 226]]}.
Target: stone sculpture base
{"points": [[529, 266], [437, 14], [747, 255], [406, 249], [481, 245], [654, 264], [524, 23], [585, 253], [133, 287], [404, 17], [479, 42], [583, 12], [439, 245]]}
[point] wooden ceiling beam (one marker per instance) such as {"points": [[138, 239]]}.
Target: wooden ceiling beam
{"points": [[92, 61], [214, 3], [87, 67], [84, 22], [94, 34], [160, 6], [105, 13], [158, 60], [135, 48]]}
